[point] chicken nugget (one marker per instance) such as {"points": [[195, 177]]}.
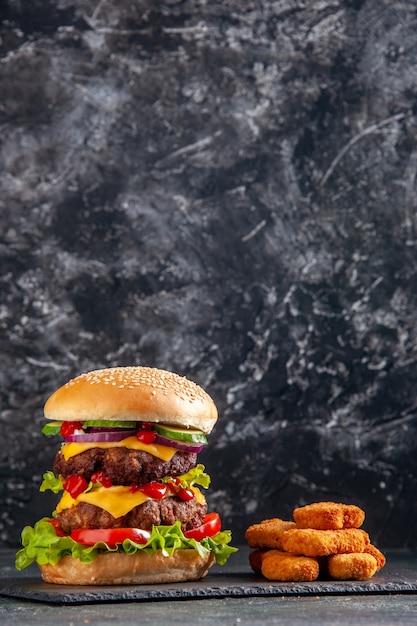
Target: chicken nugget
{"points": [[312, 542], [268, 533], [354, 566], [255, 560], [377, 554], [329, 516], [277, 565]]}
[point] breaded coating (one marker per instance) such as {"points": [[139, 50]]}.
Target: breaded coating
{"points": [[325, 539], [329, 516], [268, 533], [377, 554], [277, 565], [312, 542], [255, 560], [352, 566]]}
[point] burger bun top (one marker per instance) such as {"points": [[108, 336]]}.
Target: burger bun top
{"points": [[133, 394]]}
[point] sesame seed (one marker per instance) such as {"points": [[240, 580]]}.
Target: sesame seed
{"points": [[138, 376]]}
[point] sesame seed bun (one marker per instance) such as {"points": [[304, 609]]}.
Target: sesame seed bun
{"points": [[133, 393]]}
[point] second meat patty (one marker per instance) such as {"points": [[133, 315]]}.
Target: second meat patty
{"points": [[153, 512]]}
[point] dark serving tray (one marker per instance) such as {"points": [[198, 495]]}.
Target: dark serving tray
{"points": [[233, 580]]}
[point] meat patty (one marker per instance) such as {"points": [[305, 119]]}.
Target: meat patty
{"points": [[152, 512], [123, 465]]}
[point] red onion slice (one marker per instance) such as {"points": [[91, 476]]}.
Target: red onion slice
{"points": [[179, 445], [103, 437]]}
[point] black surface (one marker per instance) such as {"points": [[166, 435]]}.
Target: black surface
{"points": [[397, 577]]}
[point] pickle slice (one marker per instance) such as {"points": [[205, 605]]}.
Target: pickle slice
{"points": [[181, 434], [51, 428], [110, 424]]}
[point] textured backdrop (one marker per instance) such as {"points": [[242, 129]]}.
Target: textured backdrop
{"points": [[226, 189]]}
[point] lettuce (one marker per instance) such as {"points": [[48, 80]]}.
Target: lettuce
{"points": [[196, 476], [42, 545], [50, 481]]}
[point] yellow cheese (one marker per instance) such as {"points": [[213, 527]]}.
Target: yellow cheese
{"points": [[156, 449], [117, 500], [199, 496]]}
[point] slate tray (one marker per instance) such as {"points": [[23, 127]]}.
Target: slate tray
{"points": [[398, 576]]}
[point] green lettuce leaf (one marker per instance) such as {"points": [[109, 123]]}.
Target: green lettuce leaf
{"points": [[42, 545], [52, 482], [196, 476]]}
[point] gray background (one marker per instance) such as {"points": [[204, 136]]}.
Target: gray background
{"points": [[227, 190]]}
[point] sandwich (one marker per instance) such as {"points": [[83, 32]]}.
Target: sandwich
{"points": [[131, 509]]}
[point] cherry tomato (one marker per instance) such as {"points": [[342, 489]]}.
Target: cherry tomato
{"points": [[68, 428], [75, 485], [146, 436], [102, 478], [58, 529], [154, 490], [210, 527], [111, 536]]}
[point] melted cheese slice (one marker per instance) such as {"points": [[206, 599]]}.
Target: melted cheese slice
{"points": [[116, 500], [156, 449]]}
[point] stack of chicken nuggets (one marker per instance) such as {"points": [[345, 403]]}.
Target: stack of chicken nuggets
{"points": [[324, 539]]}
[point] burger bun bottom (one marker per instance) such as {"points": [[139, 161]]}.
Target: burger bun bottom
{"points": [[115, 568]]}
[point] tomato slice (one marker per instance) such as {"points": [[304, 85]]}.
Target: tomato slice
{"points": [[111, 536], [210, 527], [58, 530]]}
